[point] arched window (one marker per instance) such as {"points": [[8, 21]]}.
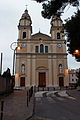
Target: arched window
{"points": [[58, 35], [60, 68], [37, 49], [41, 48], [22, 68], [24, 35], [46, 49]]}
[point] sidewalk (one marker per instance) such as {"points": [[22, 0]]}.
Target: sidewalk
{"points": [[15, 106]]}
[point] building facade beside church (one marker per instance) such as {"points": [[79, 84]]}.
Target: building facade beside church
{"points": [[42, 59]]}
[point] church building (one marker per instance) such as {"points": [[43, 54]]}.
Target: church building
{"points": [[41, 59]]}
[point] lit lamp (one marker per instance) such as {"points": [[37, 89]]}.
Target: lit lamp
{"points": [[76, 52], [77, 55], [18, 48], [16, 75], [66, 71]]}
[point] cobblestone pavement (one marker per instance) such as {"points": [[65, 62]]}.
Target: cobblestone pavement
{"points": [[15, 106]]}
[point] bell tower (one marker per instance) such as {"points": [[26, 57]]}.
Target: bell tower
{"points": [[24, 35], [59, 50], [24, 27], [57, 30]]}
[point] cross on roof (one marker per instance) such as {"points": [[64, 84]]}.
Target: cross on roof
{"points": [[26, 6]]}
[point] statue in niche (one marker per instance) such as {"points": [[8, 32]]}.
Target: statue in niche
{"points": [[23, 69], [60, 68]]}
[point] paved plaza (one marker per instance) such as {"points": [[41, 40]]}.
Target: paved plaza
{"points": [[49, 105]]}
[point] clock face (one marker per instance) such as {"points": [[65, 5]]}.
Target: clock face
{"points": [[59, 45], [23, 44]]}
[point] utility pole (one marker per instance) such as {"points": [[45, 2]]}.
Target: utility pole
{"points": [[1, 63]]}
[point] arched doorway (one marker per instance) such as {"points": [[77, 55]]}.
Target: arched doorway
{"points": [[22, 81], [61, 81]]}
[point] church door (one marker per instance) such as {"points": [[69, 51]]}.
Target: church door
{"points": [[61, 81], [22, 81], [42, 79]]}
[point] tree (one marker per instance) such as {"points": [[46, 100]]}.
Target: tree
{"points": [[72, 28], [78, 76], [56, 7], [7, 74]]}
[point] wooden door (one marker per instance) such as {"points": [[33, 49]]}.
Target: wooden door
{"points": [[42, 79], [22, 81], [61, 81]]}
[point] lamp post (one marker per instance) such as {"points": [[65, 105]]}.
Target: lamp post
{"points": [[13, 62], [14, 47], [1, 63]]}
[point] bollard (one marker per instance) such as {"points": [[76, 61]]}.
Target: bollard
{"points": [[34, 89], [29, 94], [27, 98], [2, 105], [48, 88], [43, 88], [38, 88], [34, 103], [54, 88]]}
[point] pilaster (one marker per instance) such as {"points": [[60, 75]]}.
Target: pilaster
{"points": [[55, 78], [28, 81], [33, 71], [50, 70]]}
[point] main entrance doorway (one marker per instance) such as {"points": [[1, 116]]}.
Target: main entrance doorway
{"points": [[61, 81], [22, 81], [42, 79]]}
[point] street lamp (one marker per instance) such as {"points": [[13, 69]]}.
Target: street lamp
{"points": [[76, 52], [77, 55], [14, 47]]}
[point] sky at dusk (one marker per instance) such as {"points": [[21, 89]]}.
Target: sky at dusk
{"points": [[10, 13]]}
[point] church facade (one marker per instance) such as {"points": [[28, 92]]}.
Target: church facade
{"points": [[42, 59]]}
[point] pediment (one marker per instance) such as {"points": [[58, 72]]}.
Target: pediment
{"points": [[41, 36]]}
